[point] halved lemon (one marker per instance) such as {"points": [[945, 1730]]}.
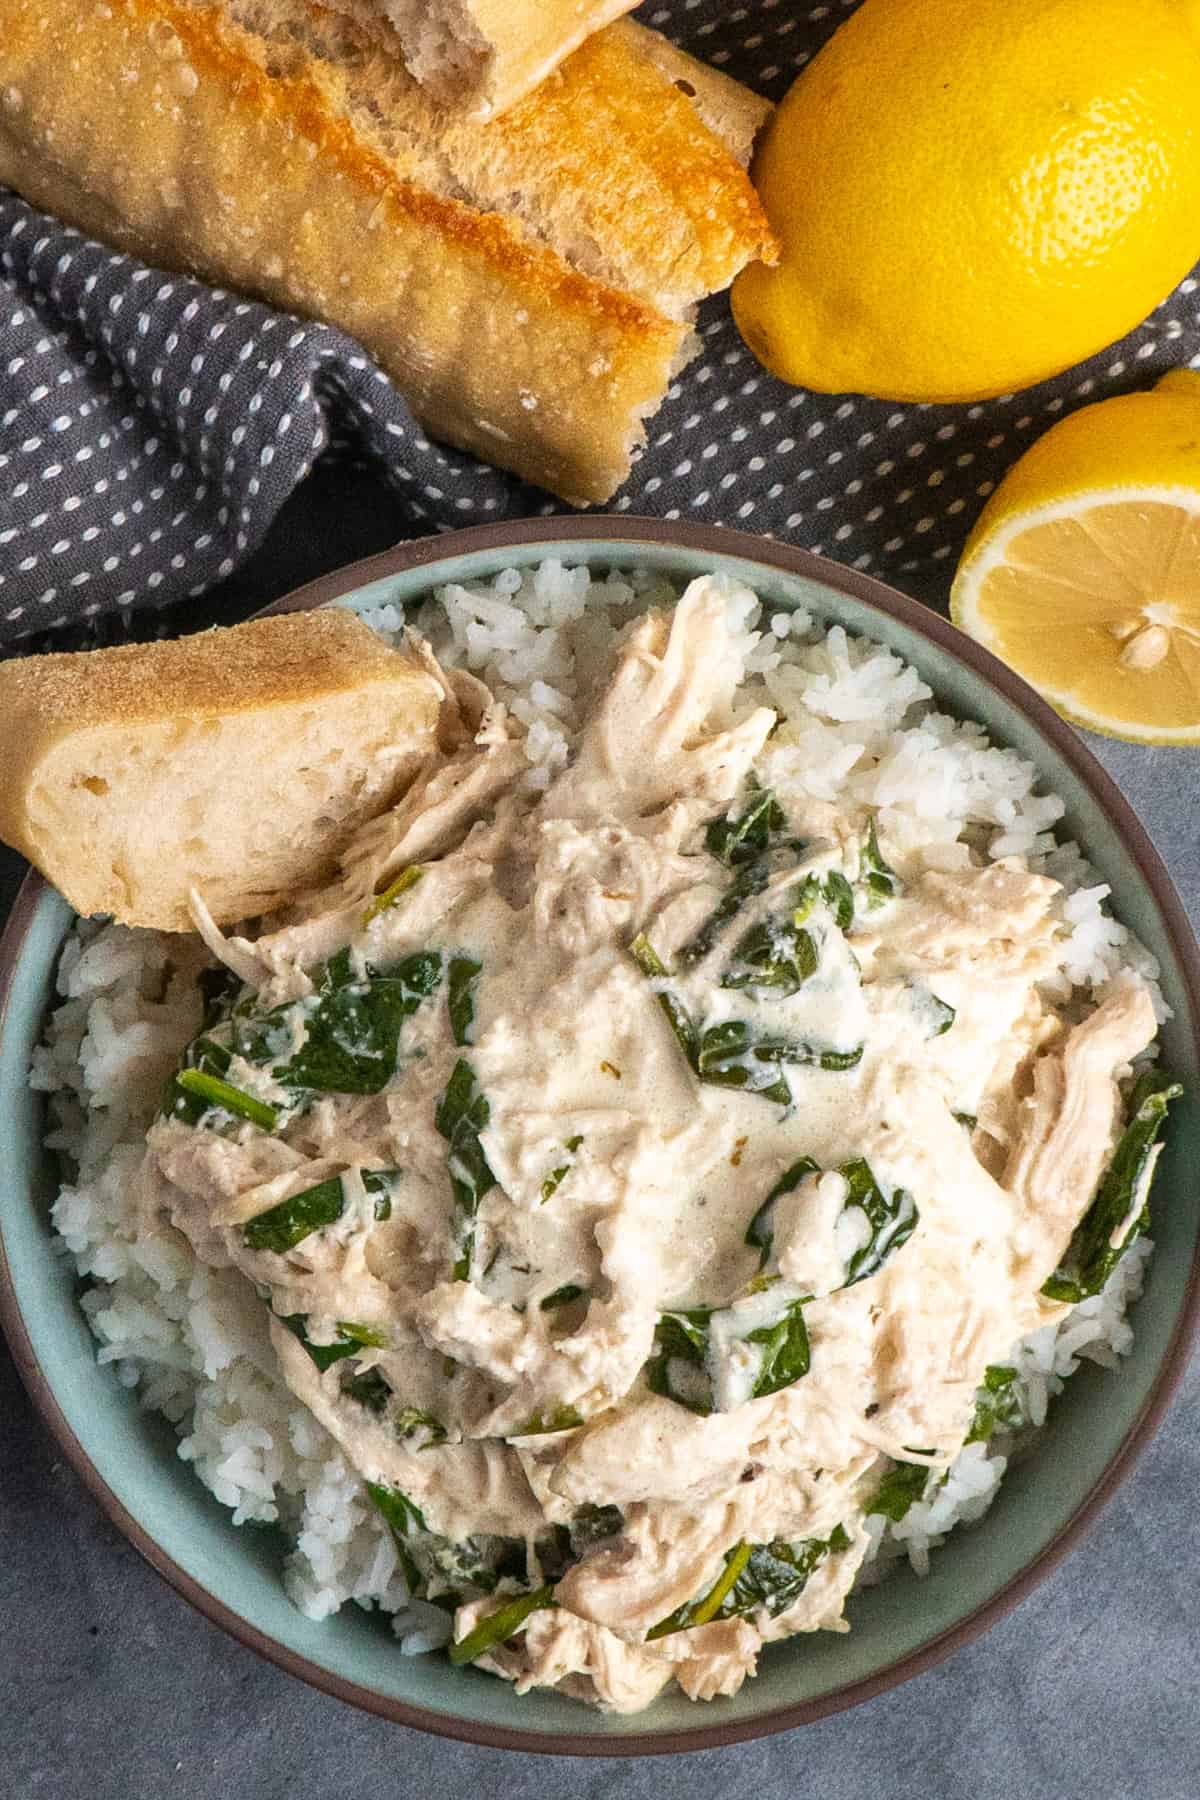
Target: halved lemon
{"points": [[1083, 573]]}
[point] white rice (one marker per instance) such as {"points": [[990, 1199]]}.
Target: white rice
{"points": [[860, 731]]}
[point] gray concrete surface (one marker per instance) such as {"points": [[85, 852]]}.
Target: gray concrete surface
{"points": [[111, 1688]]}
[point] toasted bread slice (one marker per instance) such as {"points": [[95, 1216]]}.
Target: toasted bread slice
{"points": [[236, 762], [527, 283]]}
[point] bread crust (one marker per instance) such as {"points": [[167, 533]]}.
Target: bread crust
{"points": [[164, 129], [238, 759]]}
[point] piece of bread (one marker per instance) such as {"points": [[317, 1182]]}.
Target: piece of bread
{"points": [[527, 283], [238, 762], [484, 55]]}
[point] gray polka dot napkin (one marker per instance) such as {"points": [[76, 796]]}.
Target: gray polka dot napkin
{"points": [[151, 428]]}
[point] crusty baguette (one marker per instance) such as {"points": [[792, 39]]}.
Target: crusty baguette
{"points": [[484, 55], [526, 283], [239, 762]]}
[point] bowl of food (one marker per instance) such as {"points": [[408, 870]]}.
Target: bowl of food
{"points": [[655, 1206]]}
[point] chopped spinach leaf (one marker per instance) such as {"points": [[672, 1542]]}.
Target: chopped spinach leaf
{"points": [[934, 1016], [677, 1015], [434, 1566], [737, 841], [775, 955], [282, 1227], [222, 1094], [756, 1578], [997, 1404], [880, 880], [760, 1233], [560, 1418], [403, 883], [678, 1367], [892, 1219], [464, 974], [462, 1113], [731, 1055], [839, 898], [899, 1490], [381, 1182], [349, 1340], [504, 1623], [411, 1421], [1123, 1194], [351, 1042], [556, 1177], [684, 1366], [785, 1351], [748, 882]]}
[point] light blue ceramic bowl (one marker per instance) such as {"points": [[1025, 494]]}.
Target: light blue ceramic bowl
{"points": [[900, 1628]]}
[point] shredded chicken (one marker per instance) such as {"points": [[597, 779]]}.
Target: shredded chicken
{"points": [[474, 1304]]}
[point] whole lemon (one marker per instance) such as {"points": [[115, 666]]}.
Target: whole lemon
{"points": [[972, 195]]}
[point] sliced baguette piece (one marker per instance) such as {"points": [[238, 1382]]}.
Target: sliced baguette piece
{"points": [[238, 762], [528, 284], [484, 55]]}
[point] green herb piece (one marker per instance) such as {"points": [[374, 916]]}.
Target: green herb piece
{"points": [[700, 1612], [401, 1513], [282, 1227], [351, 1044], [349, 1340], [464, 974], [760, 1233], [411, 1421], [380, 1182], [403, 1517], [997, 1404], [462, 1113], [403, 883], [562, 1296], [215, 1092], [899, 1490], [677, 1015], [436, 1568], [731, 1055], [556, 1177], [839, 898], [892, 1220], [968, 1121], [756, 1578], [1124, 1190], [775, 955], [749, 882], [880, 880], [499, 1626], [562, 1418], [682, 1367], [678, 1367], [372, 1390], [737, 841], [934, 1015], [785, 1351]]}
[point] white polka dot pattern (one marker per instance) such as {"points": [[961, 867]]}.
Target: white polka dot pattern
{"points": [[151, 428]]}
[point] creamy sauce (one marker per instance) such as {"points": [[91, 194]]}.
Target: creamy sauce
{"points": [[509, 1370]]}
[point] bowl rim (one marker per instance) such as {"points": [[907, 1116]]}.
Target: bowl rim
{"points": [[632, 530]]}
